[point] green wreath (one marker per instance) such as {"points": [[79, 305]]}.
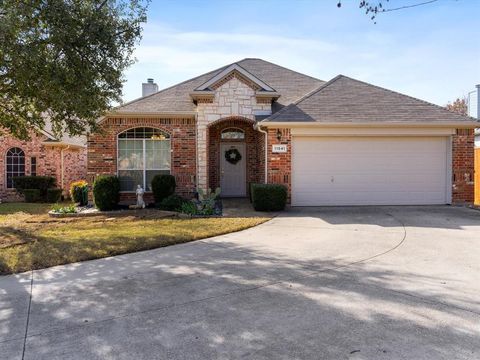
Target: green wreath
{"points": [[233, 156]]}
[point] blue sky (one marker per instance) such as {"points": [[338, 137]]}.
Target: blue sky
{"points": [[431, 52]]}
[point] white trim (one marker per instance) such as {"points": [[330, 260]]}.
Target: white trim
{"points": [[144, 170], [372, 131], [227, 71]]}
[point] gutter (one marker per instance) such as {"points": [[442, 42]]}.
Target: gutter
{"points": [[256, 127], [291, 124]]}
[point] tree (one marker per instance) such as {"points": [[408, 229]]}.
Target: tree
{"points": [[64, 59], [459, 106], [373, 8]]}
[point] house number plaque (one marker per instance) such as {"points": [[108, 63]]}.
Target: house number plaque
{"points": [[279, 148]]}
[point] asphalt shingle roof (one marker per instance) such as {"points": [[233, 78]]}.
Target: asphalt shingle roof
{"points": [[344, 99], [290, 84]]}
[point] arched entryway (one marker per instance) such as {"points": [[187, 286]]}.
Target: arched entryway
{"points": [[233, 156]]}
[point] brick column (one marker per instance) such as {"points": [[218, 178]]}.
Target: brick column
{"points": [[463, 166], [280, 165]]}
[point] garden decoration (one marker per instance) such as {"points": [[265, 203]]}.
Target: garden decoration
{"points": [[233, 156], [140, 202]]}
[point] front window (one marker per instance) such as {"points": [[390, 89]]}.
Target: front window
{"points": [[15, 162], [142, 154], [233, 134]]}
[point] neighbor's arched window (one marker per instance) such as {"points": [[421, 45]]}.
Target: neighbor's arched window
{"points": [[233, 134], [142, 153], [15, 165]]}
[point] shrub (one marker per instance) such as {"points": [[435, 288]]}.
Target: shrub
{"points": [[41, 183], [172, 203], [163, 186], [79, 192], [269, 197], [106, 192], [54, 195], [32, 195], [189, 208], [59, 209]]}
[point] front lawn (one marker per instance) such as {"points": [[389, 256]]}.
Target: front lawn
{"points": [[30, 239]]}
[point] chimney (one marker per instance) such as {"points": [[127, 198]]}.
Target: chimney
{"points": [[149, 87], [478, 101]]}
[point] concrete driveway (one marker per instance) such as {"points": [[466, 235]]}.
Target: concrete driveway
{"points": [[323, 283]]}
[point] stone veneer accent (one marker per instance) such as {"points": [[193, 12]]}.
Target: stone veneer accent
{"points": [[48, 162], [232, 98], [102, 150]]}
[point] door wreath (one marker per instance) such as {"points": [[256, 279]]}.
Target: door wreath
{"points": [[233, 156]]}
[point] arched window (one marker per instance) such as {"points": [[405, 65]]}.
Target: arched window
{"points": [[142, 153], [15, 165], [233, 134]]}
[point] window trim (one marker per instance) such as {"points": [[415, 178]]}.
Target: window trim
{"points": [[234, 139], [144, 170], [6, 165]]}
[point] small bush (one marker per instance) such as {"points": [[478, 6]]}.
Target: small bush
{"points": [[189, 208], [59, 209], [54, 195], [269, 197], [172, 203], [79, 192], [163, 186], [41, 183], [106, 192], [32, 195]]}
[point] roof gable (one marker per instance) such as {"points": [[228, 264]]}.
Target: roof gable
{"points": [[177, 99], [237, 69], [344, 99]]}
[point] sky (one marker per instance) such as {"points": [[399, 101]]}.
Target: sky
{"points": [[431, 52]]}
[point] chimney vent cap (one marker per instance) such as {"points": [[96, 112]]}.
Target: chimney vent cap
{"points": [[150, 80]]}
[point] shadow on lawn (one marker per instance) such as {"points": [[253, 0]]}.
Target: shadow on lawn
{"points": [[205, 301]]}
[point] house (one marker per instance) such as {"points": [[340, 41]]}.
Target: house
{"points": [[341, 142], [44, 154]]}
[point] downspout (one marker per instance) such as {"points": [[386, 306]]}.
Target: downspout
{"points": [[256, 127], [62, 167]]}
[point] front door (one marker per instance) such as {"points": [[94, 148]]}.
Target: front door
{"points": [[233, 170]]}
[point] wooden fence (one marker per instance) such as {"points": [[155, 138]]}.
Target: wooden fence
{"points": [[477, 176]]}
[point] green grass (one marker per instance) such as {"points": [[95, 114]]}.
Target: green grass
{"points": [[27, 208], [38, 241]]}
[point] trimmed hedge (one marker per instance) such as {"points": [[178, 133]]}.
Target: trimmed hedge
{"points": [[54, 195], [32, 195], [163, 186], [172, 203], [106, 192], [269, 197], [79, 192], [42, 183]]}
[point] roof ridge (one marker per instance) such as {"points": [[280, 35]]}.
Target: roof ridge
{"points": [[256, 77], [409, 96], [283, 67]]}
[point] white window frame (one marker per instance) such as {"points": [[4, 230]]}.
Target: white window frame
{"points": [[6, 164], [232, 128], [144, 170]]}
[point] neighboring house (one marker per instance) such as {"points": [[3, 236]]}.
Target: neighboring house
{"points": [[341, 142], [44, 154]]}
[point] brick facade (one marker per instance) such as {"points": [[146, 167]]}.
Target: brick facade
{"points": [[102, 150], [253, 142], [463, 166], [49, 160], [279, 165]]}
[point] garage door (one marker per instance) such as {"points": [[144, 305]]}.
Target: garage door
{"points": [[369, 171]]}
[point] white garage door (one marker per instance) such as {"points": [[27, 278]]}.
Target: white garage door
{"points": [[369, 171]]}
